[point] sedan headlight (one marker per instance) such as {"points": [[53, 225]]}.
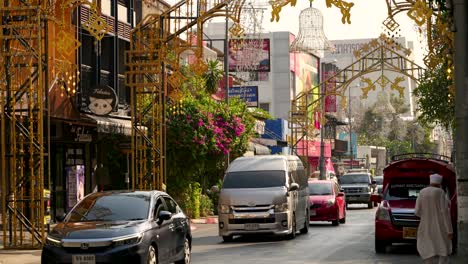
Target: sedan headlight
{"points": [[224, 209], [281, 207], [330, 202], [53, 242], [128, 240], [383, 214]]}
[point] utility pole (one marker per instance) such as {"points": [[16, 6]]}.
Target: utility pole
{"points": [[460, 12], [226, 69], [350, 129]]}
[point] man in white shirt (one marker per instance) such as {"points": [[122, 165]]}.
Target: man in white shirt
{"points": [[435, 233]]}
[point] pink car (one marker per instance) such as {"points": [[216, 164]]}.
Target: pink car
{"points": [[326, 202]]}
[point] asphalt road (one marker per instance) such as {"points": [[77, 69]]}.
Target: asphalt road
{"points": [[352, 242]]}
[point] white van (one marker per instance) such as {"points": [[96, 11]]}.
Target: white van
{"points": [[265, 194]]}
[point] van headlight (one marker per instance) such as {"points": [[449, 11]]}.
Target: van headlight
{"points": [[281, 207], [224, 209], [51, 241], [128, 240]]}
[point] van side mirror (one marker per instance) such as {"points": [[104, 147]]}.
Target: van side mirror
{"points": [[376, 198], [294, 186]]}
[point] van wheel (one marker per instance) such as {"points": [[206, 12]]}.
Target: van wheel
{"points": [[380, 246], [370, 205], [227, 238], [305, 229], [292, 235]]}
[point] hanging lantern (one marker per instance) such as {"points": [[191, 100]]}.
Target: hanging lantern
{"points": [[311, 37]]}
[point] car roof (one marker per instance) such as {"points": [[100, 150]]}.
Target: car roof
{"points": [[149, 192], [320, 181]]}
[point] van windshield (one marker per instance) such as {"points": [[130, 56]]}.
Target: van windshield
{"points": [[404, 191], [355, 178], [254, 179]]}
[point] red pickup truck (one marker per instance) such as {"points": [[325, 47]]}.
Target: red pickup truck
{"points": [[403, 178]]}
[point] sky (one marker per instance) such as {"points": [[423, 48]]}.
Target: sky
{"points": [[366, 22]]}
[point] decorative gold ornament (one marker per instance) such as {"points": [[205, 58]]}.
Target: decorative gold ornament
{"points": [[345, 8], [420, 12], [391, 24], [66, 43], [383, 81], [396, 87], [96, 26], [199, 67], [236, 30], [277, 5], [176, 79], [370, 86]]}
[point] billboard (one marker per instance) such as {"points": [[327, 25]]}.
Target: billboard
{"points": [[249, 55], [249, 94]]}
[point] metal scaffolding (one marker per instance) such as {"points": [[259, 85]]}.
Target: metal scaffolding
{"points": [[23, 99]]}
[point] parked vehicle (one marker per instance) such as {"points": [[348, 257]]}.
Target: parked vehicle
{"points": [[358, 187], [121, 227], [329, 175], [264, 195], [326, 202], [404, 177]]}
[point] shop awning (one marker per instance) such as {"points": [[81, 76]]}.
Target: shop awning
{"points": [[112, 125]]}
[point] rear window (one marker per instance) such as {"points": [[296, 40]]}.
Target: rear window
{"points": [[404, 191], [320, 188], [254, 179], [355, 178]]}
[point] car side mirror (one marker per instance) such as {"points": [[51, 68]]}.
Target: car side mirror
{"points": [[376, 198], [164, 216], [341, 194], [294, 187], [60, 218]]}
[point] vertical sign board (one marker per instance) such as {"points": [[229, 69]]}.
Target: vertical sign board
{"points": [[330, 87], [249, 94]]}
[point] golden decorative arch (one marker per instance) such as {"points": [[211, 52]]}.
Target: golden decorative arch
{"points": [[379, 55]]}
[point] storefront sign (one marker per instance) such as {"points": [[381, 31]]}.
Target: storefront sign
{"points": [[102, 100], [82, 134], [249, 94]]}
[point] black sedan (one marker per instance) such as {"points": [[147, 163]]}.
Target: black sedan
{"points": [[121, 227]]}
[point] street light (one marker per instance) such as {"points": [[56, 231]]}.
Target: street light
{"points": [[325, 66], [350, 126]]}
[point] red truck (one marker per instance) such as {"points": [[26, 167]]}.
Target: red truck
{"points": [[403, 178]]}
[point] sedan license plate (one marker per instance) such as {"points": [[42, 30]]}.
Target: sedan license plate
{"points": [[313, 213], [353, 198], [251, 226], [83, 259], [410, 232]]}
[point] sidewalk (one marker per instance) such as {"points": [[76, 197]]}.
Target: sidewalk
{"points": [[34, 256]]}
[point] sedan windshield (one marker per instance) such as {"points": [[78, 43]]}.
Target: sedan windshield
{"points": [[111, 207], [404, 191], [254, 179], [320, 188], [354, 178]]}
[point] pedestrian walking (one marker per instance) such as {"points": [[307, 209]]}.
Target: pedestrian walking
{"points": [[435, 233]]}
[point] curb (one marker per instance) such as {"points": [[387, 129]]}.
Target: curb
{"points": [[205, 220]]}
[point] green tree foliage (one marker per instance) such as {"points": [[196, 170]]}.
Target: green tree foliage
{"points": [[200, 133], [436, 103]]}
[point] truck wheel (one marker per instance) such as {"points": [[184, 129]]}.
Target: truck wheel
{"points": [[380, 246]]}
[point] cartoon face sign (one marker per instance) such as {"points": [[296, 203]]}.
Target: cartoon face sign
{"points": [[100, 106], [102, 100]]}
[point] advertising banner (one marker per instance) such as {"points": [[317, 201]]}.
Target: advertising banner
{"points": [[249, 55], [330, 87], [249, 94]]}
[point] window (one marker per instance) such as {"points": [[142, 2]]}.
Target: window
{"points": [[265, 106], [320, 188], [355, 178], [403, 191], [114, 207], [171, 205], [254, 179], [158, 207]]}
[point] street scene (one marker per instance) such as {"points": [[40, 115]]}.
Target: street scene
{"points": [[180, 131], [352, 242]]}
